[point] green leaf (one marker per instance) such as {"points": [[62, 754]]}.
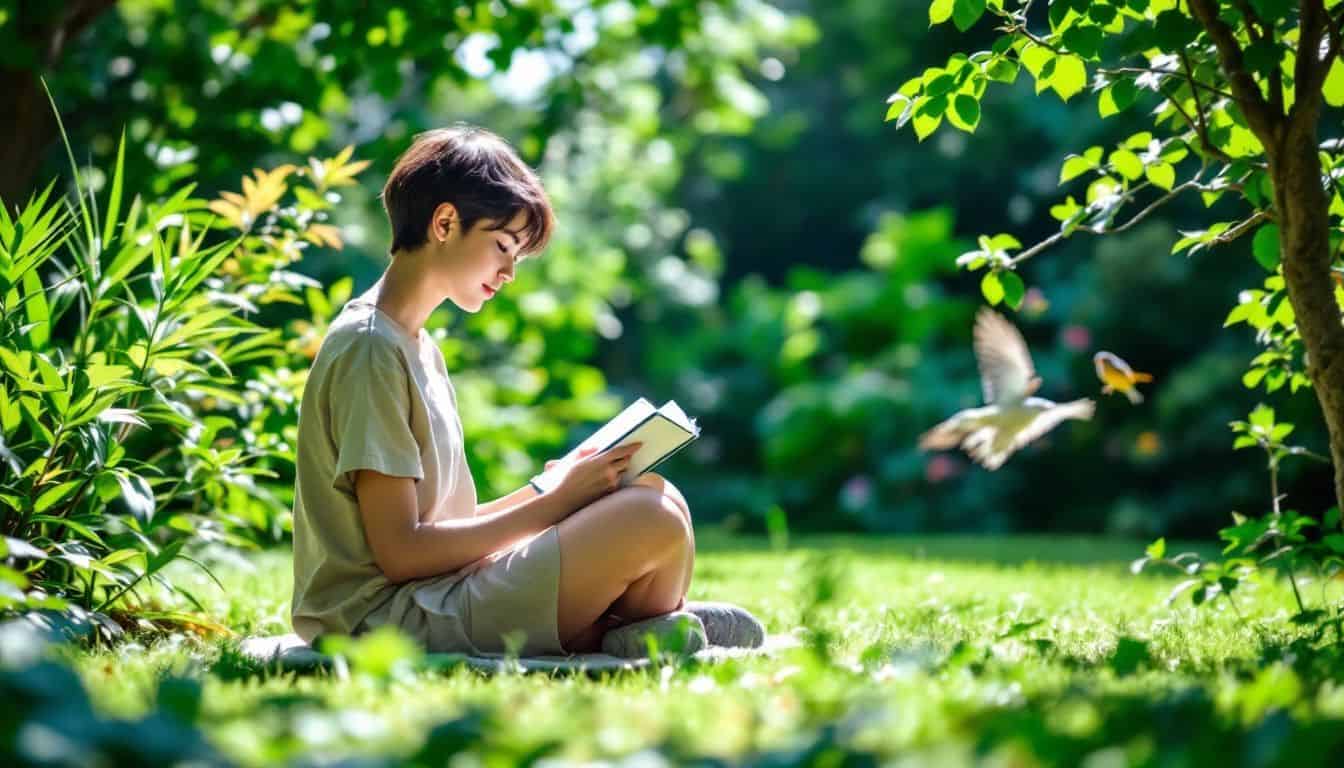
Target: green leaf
{"points": [[1070, 76], [1127, 163], [1265, 247], [135, 491], [1075, 166], [114, 198], [1161, 175], [1003, 71], [966, 12], [1174, 30], [1263, 56], [940, 11], [926, 124], [1034, 58], [53, 495], [1102, 13], [1013, 289], [1117, 97], [965, 112], [1158, 549], [940, 85], [1262, 416], [1334, 84], [900, 110], [1084, 40], [992, 288], [1002, 242], [1065, 210], [1059, 9]]}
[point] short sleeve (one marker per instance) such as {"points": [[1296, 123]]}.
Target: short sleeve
{"points": [[370, 411]]}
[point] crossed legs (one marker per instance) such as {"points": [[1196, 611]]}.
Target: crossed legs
{"points": [[629, 555]]}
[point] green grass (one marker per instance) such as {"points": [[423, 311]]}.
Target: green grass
{"points": [[938, 649]]}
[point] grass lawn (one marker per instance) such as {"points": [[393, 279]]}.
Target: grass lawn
{"points": [[956, 650]]}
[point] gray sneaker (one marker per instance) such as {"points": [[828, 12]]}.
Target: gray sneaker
{"points": [[728, 625], [678, 632]]}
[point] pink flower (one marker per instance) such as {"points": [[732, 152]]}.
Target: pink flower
{"points": [[1034, 302], [940, 468], [1077, 337], [857, 492]]}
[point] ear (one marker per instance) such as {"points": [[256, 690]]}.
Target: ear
{"points": [[443, 223]]}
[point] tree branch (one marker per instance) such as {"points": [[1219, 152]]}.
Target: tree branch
{"points": [[1143, 70], [77, 17], [1199, 126], [1259, 32], [1311, 67], [1038, 40], [1241, 228], [1230, 56], [1135, 219]]}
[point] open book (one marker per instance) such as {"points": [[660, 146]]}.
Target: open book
{"points": [[663, 431]]}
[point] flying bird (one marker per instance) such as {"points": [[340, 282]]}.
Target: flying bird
{"points": [[1011, 417], [1117, 376]]}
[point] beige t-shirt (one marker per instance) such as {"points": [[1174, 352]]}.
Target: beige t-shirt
{"points": [[376, 398]]}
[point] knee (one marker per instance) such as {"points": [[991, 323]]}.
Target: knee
{"points": [[665, 487], [655, 519]]}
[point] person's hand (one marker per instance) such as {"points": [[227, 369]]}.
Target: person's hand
{"points": [[594, 475]]}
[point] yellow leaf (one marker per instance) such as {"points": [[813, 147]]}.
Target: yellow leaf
{"points": [[344, 175], [323, 234], [229, 212]]}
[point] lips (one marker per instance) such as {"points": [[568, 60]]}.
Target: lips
{"points": [[488, 290]]}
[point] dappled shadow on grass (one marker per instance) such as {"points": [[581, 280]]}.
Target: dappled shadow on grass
{"points": [[975, 548]]}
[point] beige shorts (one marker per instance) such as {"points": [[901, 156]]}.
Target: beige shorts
{"points": [[512, 597]]}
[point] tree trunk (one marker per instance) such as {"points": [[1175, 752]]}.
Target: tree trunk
{"points": [[1304, 237], [26, 128]]}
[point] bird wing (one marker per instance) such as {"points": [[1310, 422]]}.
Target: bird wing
{"points": [[1005, 363], [951, 432], [1050, 417]]}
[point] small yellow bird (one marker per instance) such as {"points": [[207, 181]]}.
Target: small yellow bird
{"points": [[1117, 376]]}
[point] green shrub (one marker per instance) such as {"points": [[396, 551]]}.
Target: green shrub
{"points": [[135, 395]]}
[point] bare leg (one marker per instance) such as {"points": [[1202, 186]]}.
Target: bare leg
{"points": [[624, 553], [665, 487]]}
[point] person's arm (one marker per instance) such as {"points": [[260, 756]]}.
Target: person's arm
{"points": [[406, 548], [504, 502]]}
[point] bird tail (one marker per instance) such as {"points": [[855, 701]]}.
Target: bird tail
{"points": [[1134, 395], [942, 437], [1142, 378], [1081, 409]]}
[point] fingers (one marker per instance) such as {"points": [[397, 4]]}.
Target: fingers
{"points": [[624, 451]]}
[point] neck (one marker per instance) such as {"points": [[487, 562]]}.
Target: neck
{"points": [[405, 293]]}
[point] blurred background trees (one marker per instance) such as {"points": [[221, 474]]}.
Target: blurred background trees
{"points": [[739, 230]]}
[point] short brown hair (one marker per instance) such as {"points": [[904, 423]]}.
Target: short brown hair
{"points": [[475, 170]]}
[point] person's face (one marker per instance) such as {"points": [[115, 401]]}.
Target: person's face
{"points": [[479, 262]]}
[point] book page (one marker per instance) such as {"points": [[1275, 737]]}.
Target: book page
{"points": [[661, 431], [671, 410], [602, 439], [660, 436]]}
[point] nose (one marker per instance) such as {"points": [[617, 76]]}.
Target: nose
{"points": [[507, 273]]}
